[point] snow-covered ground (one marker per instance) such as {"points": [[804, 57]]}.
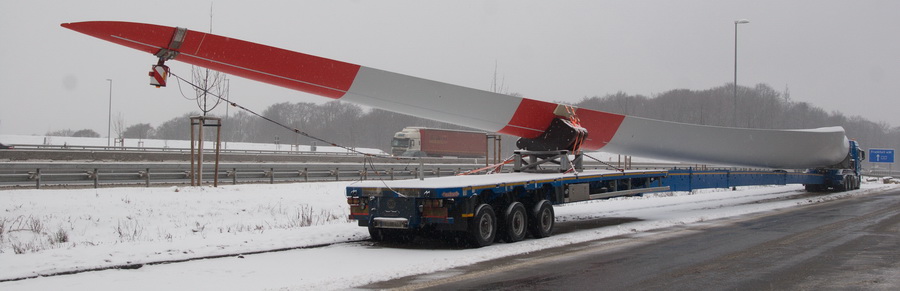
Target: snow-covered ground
{"points": [[119, 226], [45, 232]]}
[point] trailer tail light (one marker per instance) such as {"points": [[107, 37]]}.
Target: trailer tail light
{"points": [[358, 207], [434, 208]]}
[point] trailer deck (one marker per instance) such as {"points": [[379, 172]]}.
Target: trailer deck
{"points": [[467, 186]]}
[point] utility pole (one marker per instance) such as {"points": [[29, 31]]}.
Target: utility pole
{"points": [[109, 120], [734, 117]]}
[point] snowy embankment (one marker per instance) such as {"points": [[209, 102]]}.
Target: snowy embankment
{"points": [[57, 231], [53, 231]]}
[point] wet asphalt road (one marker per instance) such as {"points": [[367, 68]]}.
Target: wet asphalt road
{"points": [[851, 243]]}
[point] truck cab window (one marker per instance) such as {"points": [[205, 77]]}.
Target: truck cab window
{"points": [[400, 142]]}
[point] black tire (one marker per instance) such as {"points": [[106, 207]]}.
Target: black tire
{"points": [[483, 226], [515, 223], [542, 219], [842, 187], [377, 234]]}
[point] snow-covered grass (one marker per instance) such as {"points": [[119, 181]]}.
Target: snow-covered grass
{"points": [[47, 231], [128, 226]]}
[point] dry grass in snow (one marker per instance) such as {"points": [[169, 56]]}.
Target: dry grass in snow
{"points": [[98, 225]]}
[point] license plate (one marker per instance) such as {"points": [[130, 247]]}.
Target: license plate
{"points": [[389, 222]]}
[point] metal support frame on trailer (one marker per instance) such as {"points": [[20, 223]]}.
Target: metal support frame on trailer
{"points": [[557, 160]]}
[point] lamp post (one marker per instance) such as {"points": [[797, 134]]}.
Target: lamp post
{"points": [[109, 120], [228, 104], [734, 114]]}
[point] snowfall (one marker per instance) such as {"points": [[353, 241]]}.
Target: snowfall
{"points": [[288, 236]]}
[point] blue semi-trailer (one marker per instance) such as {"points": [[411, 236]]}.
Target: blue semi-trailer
{"points": [[508, 207]]}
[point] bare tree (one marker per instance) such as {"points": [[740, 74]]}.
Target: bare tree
{"points": [[119, 126], [209, 87]]}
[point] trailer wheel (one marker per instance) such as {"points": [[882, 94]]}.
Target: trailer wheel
{"points": [[542, 219], [515, 223], [842, 187], [377, 234], [483, 226]]}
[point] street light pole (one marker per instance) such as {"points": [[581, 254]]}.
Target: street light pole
{"points": [[109, 120], [228, 104], [734, 113]]}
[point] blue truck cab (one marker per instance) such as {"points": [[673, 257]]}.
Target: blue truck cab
{"points": [[843, 176]]}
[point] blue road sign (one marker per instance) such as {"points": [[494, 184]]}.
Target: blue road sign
{"points": [[881, 155]]}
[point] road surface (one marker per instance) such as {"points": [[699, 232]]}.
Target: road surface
{"points": [[844, 244]]}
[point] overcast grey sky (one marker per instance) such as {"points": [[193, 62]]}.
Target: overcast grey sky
{"points": [[838, 55]]}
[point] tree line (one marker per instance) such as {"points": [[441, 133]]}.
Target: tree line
{"points": [[336, 122], [757, 107], [354, 126]]}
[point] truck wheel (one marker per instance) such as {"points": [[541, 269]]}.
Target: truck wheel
{"points": [[377, 234], [483, 226], [842, 187], [515, 222], [542, 219]]}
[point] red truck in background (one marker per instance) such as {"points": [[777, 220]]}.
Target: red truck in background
{"points": [[434, 142]]}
